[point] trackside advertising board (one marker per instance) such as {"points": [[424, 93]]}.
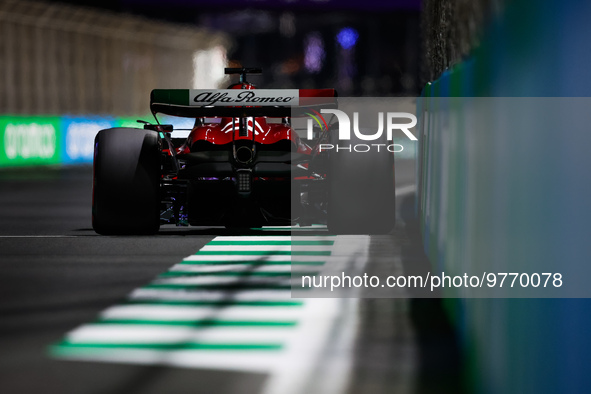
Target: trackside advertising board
{"points": [[38, 140], [30, 141]]}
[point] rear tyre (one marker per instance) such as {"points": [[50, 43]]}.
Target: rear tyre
{"points": [[361, 195], [126, 182]]}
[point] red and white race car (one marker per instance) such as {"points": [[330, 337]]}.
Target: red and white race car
{"points": [[243, 165]]}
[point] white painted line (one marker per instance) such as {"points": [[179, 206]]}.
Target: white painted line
{"points": [[322, 333], [313, 226], [318, 228], [405, 190], [39, 236], [348, 246], [122, 334], [264, 238], [265, 248], [181, 312], [293, 371], [338, 361]]}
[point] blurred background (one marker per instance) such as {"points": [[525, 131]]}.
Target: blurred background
{"points": [[95, 57], [71, 68]]}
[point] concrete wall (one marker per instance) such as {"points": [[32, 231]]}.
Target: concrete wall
{"points": [[506, 197]]}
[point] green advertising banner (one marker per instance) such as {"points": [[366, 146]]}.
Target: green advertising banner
{"points": [[29, 141], [48, 140], [132, 122]]}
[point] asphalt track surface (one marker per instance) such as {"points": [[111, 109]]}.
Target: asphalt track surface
{"points": [[56, 274]]}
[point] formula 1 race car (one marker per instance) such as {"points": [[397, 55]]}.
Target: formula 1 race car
{"points": [[243, 165]]}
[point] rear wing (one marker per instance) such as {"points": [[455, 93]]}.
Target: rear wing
{"points": [[210, 103]]}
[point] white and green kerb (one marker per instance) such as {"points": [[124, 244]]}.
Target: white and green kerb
{"points": [[228, 306]]}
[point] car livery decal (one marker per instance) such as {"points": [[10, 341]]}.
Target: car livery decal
{"points": [[239, 98]]}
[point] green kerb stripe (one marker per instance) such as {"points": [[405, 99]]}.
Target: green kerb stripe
{"points": [[262, 253], [199, 323], [170, 346], [294, 243], [255, 262], [177, 274]]}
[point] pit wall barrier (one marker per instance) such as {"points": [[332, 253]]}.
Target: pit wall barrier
{"points": [[511, 198], [52, 140]]}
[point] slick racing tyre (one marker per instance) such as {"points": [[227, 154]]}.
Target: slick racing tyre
{"points": [[361, 194], [126, 182]]}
